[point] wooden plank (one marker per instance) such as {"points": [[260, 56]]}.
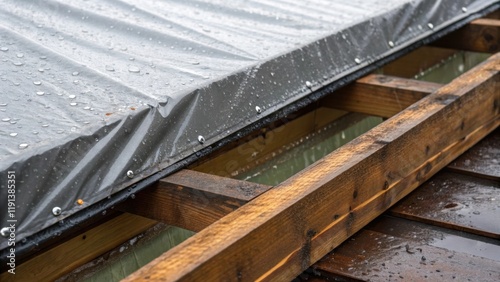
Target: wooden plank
{"points": [[81, 249], [379, 95], [280, 233], [457, 202], [482, 160], [192, 200], [268, 143], [481, 35], [417, 61], [400, 249]]}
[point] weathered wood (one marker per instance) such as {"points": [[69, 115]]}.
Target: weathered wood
{"points": [[402, 249], [379, 95], [192, 200], [282, 232], [483, 160], [456, 202], [481, 35], [262, 147], [417, 61], [69, 255]]}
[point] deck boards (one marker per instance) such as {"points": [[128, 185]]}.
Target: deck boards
{"points": [[447, 229]]}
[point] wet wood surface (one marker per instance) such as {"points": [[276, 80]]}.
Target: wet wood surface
{"points": [[482, 160], [447, 229]]}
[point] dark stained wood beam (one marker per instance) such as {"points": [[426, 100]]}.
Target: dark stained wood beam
{"points": [[283, 231], [192, 200], [481, 35], [379, 95]]}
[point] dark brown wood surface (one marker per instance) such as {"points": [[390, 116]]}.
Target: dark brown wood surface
{"points": [[192, 200], [380, 95]]}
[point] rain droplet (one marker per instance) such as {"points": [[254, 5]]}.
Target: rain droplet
{"points": [[464, 9], [357, 60], [41, 70], [110, 68], [4, 49], [391, 44], [43, 57], [430, 25], [35, 132], [201, 139], [40, 93], [73, 104], [19, 55], [23, 146], [18, 64], [76, 81], [3, 104], [6, 119], [72, 96], [37, 82], [75, 73], [309, 84], [134, 69], [13, 134]]}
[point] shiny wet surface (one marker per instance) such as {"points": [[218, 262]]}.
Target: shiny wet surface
{"points": [[448, 229]]}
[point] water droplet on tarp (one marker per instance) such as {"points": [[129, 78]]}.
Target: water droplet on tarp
{"points": [[75, 73], [19, 55], [134, 69], [37, 82], [6, 119], [41, 69], [40, 93], [109, 68], [4, 49], [3, 104], [23, 146], [13, 134], [309, 84], [43, 57], [17, 64], [73, 104], [72, 96]]}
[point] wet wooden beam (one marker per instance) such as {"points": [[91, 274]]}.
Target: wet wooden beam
{"points": [[59, 260], [417, 61], [379, 95], [456, 202], [394, 249], [192, 200], [280, 233], [481, 35]]}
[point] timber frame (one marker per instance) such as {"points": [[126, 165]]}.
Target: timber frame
{"points": [[249, 231]]}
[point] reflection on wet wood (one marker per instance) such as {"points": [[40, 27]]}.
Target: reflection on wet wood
{"points": [[483, 160], [455, 201], [395, 249]]}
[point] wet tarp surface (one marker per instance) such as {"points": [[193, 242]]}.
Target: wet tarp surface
{"points": [[96, 95]]}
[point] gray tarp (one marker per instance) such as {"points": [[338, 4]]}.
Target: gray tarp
{"points": [[94, 89]]}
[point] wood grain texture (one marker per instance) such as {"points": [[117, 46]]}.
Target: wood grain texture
{"points": [[481, 35], [283, 231], [379, 95], [69, 255], [192, 200]]}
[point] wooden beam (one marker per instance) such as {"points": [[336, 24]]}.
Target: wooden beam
{"points": [[62, 259], [282, 232], [192, 200], [417, 61], [379, 95], [481, 35]]}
